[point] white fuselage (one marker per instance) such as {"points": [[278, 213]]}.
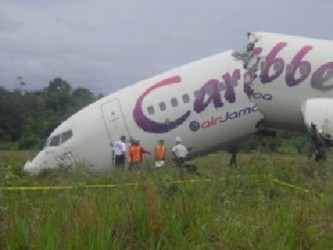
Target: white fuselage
{"points": [[303, 70], [205, 102], [162, 107]]}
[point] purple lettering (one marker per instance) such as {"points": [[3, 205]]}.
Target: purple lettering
{"points": [[229, 89], [272, 60], [151, 126], [210, 92], [321, 75], [248, 77], [215, 97], [257, 51], [296, 64]]}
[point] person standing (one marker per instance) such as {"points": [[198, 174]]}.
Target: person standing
{"points": [[130, 158], [317, 146], [136, 155], [180, 152], [119, 150], [160, 153], [233, 150]]}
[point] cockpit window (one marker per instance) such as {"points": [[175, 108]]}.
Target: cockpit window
{"points": [[66, 136], [55, 141], [58, 139]]}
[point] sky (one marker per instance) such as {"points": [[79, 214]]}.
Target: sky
{"points": [[105, 45]]}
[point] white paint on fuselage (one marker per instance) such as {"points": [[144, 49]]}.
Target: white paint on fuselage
{"points": [[93, 132], [103, 122], [284, 110]]}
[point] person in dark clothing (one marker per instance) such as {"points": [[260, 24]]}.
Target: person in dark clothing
{"points": [[318, 145], [321, 154], [233, 150]]}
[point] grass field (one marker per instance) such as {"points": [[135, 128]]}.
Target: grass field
{"points": [[274, 202]]}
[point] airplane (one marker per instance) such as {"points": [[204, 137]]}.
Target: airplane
{"points": [[278, 81]]}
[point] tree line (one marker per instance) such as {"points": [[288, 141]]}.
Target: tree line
{"points": [[28, 118]]}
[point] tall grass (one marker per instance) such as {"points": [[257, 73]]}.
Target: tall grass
{"points": [[226, 208]]}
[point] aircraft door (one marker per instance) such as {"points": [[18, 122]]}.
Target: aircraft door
{"points": [[114, 120]]}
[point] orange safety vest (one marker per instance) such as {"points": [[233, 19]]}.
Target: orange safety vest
{"points": [[160, 152], [136, 153], [130, 153]]}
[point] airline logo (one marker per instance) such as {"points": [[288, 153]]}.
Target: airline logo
{"points": [[228, 116], [319, 76], [199, 106]]}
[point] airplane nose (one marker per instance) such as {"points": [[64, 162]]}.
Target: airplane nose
{"points": [[28, 167], [41, 161], [49, 159]]}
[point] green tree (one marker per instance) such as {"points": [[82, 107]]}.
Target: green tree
{"points": [[27, 118], [11, 115]]}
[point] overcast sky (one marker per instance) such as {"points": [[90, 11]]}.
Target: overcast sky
{"points": [[104, 45]]}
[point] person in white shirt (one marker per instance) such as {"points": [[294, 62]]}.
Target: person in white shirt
{"points": [[180, 152], [119, 150]]}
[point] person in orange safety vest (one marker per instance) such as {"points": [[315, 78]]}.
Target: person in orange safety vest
{"points": [[136, 155], [129, 151], [160, 153]]}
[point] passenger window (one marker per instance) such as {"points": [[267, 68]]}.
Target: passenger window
{"points": [[174, 102], [209, 91], [151, 110], [66, 136], [330, 73], [55, 141], [186, 98], [220, 86], [197, 94], [162, 106], [234, 82]]}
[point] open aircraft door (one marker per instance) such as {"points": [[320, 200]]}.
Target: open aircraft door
{"points": [[114, 120]]}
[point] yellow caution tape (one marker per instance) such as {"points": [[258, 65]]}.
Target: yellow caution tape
{"points": [[282, 183], [71, 187], [66, 187]]}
